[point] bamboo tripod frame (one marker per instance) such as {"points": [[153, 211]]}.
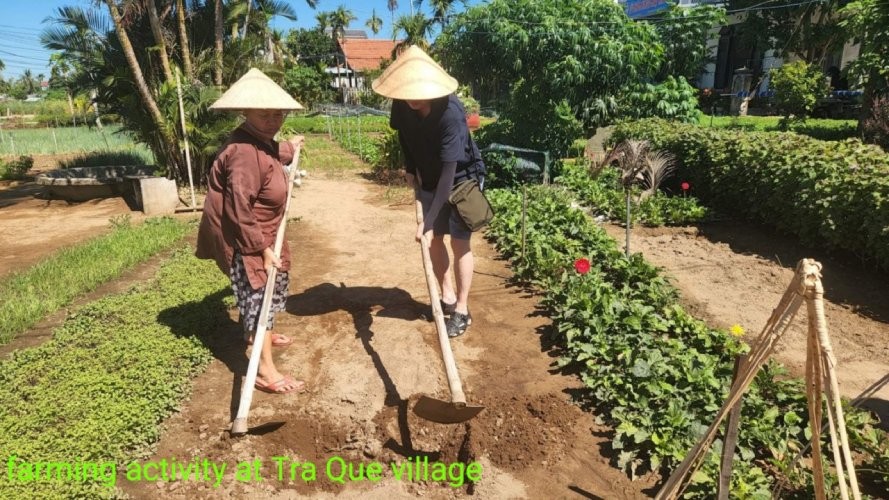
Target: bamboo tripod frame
{"points": [[820, 375]]}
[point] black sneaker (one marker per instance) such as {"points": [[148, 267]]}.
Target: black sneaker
{"points": [[458, 323], [448, 309]]}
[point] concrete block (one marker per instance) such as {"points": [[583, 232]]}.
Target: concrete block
{"points": [[158, 196]]}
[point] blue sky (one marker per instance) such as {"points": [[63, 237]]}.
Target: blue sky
{"points": [[22, 22]]}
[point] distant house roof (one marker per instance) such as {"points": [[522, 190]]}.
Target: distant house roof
{"points": [[349, 34], [364, 55]]}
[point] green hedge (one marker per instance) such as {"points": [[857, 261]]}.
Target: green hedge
{"points": [[830, 194], [816, 128]]}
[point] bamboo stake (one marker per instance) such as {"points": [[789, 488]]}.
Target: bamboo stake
{"points": [[194, 203], [729, 443], [815, 304], [834, 446], [774, 329], [813, 395], [820, 374], [524, 212]]}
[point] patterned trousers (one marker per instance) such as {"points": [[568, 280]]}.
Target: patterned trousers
{"points": [[250, 300]]}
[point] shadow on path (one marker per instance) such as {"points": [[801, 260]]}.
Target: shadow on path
{"points": [[363, 303]]}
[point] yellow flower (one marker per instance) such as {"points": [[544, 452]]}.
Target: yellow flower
{"points": [[737, 330]]}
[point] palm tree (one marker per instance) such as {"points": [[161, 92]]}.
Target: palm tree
{"points": [[416, 28], [267, 9], [441, 9], [79, 34], [27, 80], [151, 8], [60, 70], [135, 69], [339, 21], [80, 38], [323, 19], [183, 39], [393, 6], [374, 23], [218, 24], [272, 8]]}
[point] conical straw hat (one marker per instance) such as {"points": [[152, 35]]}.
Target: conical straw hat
{"points": [[255, 90], [414, 75]]}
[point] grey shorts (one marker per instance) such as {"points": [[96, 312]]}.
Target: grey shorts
{"points": [[448, 220]]}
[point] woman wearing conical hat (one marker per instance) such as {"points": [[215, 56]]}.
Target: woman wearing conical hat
{"points": [[439, 153], [244, 206]]}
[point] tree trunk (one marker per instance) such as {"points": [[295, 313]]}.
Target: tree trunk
{"points": [[138, 76], [867, 103], [217, 71], [159, 39], [70, 100], [270, 57], [246, 19], [94, 95], [183, 40], [71, 106]]}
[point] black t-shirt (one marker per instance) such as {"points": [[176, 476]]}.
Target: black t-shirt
{"points": [[441, 137]]}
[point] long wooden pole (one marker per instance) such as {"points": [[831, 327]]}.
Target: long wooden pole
{"points": [[239, 425], [730, 442], [813, 395], [185, 137], [447, 356], [815, 304]]}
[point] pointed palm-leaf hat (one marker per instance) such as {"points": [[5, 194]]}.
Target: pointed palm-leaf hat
{"points": [[414, 76], [255, 90]]}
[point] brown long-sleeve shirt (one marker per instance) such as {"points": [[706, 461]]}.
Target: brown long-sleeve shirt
{"points": [[245, 203]]}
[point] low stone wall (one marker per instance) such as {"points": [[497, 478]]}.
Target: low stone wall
{"points": [[86, 183]]}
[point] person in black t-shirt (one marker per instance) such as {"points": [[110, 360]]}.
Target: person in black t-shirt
{"points": [[438, 153]]}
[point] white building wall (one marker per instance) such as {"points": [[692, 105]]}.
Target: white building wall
{"points": [[708, 77], [769, 62], [850, 52]]}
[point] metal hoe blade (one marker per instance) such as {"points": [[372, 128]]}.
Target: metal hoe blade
{"points": [[445, 412], [239, 428]]}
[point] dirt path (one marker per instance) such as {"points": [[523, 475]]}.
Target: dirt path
{"points": [[34, 228], [736, 272], [365, 346]]}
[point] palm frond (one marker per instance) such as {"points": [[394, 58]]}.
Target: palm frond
{"points": [[631, 159], [659, 166]]}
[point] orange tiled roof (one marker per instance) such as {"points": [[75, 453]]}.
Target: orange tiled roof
{"points": [[363, 55]]}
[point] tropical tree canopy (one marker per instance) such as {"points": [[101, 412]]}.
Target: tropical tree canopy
{"points": [[121, 62], [441, 10], [808, 30], [416, 29], [867, 22], [374, 23], [340, 20], [585, 51], [684, 34]]}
